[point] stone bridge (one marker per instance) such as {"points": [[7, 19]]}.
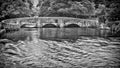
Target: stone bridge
{"points": [[53, 21]]}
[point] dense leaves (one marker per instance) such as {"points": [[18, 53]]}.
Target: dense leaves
{"points": [[15, 7], [104, 9], [114, 11], [11, 8]]}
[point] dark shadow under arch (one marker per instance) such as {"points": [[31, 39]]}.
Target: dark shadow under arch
{"points": [[22, 26], [28, 26], [72, 26], [49, 26]]}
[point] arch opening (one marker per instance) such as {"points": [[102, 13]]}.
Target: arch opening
{"points": [[72, 26], [22, 26], [49, 26], [29, 26]]}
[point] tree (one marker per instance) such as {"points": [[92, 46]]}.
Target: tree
{"points": [[114, 11], [30, 8], [15, 7], [74, 7]]}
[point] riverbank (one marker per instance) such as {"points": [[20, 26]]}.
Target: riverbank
{"points": [[84, 52]]}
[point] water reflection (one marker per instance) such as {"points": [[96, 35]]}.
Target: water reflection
{"points": [[70, 33], [56, 33]]}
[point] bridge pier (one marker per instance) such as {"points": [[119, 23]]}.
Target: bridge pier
{"points": [[38, 23], [61, 23]]}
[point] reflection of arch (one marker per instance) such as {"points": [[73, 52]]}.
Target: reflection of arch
{"points": [[71, 25], [49, 26]]}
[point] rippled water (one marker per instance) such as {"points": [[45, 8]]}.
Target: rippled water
{"points": [[35, 49]]}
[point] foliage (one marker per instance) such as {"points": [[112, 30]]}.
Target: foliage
{"points": [[114, 11], [14, 8], [77, 8]]}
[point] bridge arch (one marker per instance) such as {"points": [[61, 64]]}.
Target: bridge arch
{"points": [[28, 25], [71, 25], [23, 25], [56, 22], [49, 26]]}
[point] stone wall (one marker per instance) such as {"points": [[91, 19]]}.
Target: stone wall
{"points": [[57, 21]]}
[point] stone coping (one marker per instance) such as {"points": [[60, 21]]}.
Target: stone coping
{"points": [[50, 17]]}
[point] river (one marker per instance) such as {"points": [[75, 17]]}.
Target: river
{"points": [[60, 48], [56, 33]]}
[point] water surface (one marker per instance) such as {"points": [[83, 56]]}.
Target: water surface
{"points": [[56, 33], [92, 49]]}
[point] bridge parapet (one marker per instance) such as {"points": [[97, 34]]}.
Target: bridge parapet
{"points": [[57, 21]]}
